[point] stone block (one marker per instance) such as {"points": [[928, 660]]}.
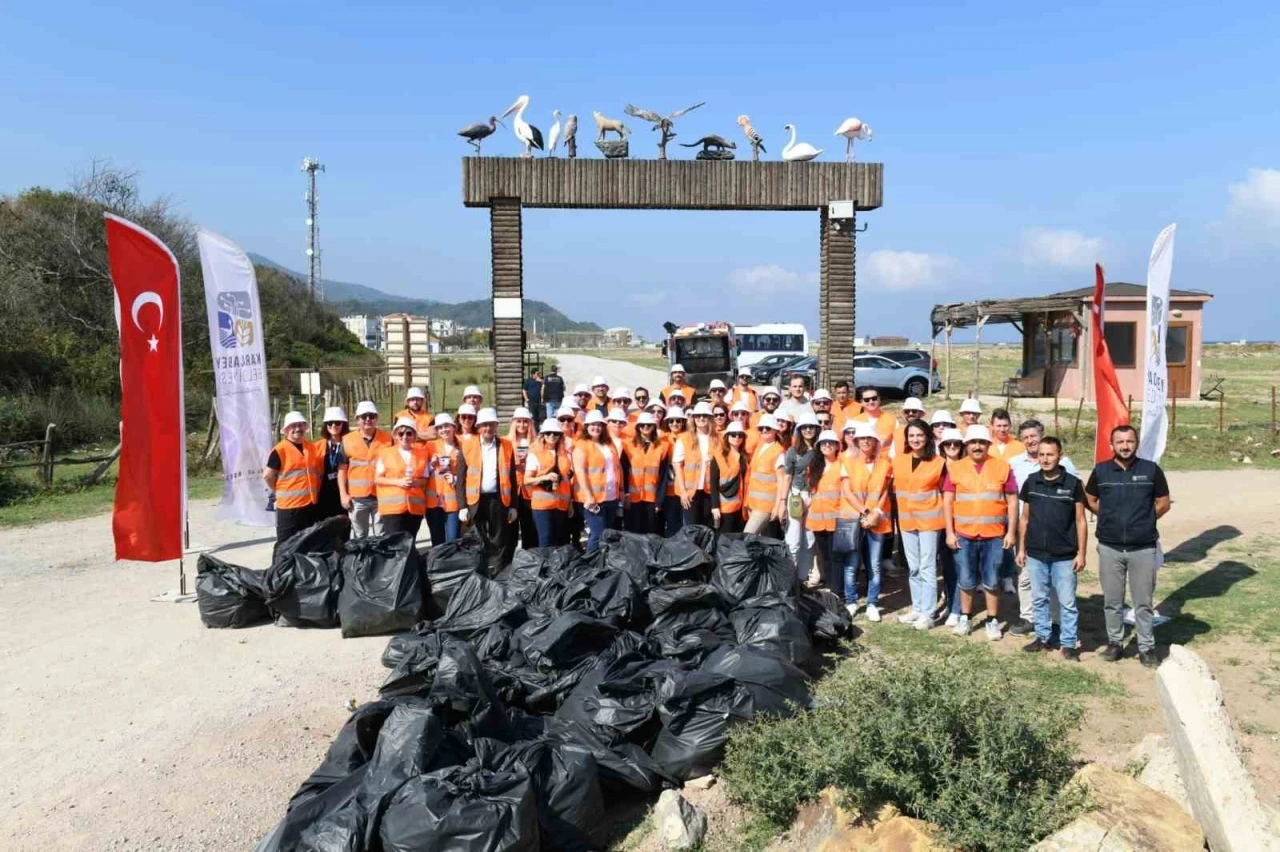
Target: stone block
{"points": [[678, 823], [1127, 817]]}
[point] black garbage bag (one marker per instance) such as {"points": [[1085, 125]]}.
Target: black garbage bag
{"points": [[448, 564], [477, 604], [751, 565], [704, 537], [553, 644], [230, 595], [547, 688], [302, 589], [680, 560], [769, 623], [688, 621], [329, 820], [619, 701], [628, 552], [625, 768], [381, 585], [402, 643], [776, 687], [529, 568], [604, 593], [327, 536], [415, 671], [350, 750], [824, 615], [464, 695], [571, 814], [697, 711], [462, 809]]}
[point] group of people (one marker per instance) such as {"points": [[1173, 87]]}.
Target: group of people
{"points": [[832, 474]]}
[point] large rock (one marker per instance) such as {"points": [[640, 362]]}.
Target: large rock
{"points": [[1222, 796], [892, 832], [679, 824], [614, 149], [1160, 770], [1128, 816], [820, 819]]}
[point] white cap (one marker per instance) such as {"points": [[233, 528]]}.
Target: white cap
{"points": [[292, 418], [740, 405], [866, 430], [620, 393], [744, 371], [466, 408], [806, 418], [646, 419], [676, 368], [472, 390], [912, 404], [334, 414], [977, 432], [487, 415], [522, 413], [703, 408], [941, 416], [771, 391], [735, 428], [970, 405], [551, 425], [716, 384], [828, 435], [566, 410], [781, 415], [594, 416], [405, 423], [414, 393], [951, 434], [655, 403], [675, 412], [366, 407], [581, 388], [598, 381], [677, 392], [443, 419], [767, 421], [617, 415], [821, 393]]}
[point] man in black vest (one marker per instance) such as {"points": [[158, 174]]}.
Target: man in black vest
{"points": [[1128, 494]]}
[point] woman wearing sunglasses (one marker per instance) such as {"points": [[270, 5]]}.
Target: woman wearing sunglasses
{"points": [[672, 510], [869, 474], [825, 478], [648, 457], [691, 458], [400, 477], [597, 478], [766, 500], [951, 448], [547, 482], [728, 480], [361, 448], [448, 474], [520, 434], [917, 481], [799, 458]]}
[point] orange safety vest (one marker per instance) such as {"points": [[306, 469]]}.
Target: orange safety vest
{"points": [[871, 487], [646, 470], [740, 394], [841, 413], [824, 501], [543, 497], [521, 458], [730, 470], [594, 489], [694, 463], [1008, 449], [885, 425], [686, 391], [671, 438], [762, 478], [919, 494], [424, 421], [362, 460], [474, 454], [298, 481], [980, 507], [440, 493], [394, 499]]}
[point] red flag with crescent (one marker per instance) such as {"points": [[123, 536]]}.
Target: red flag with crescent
{"points": [[1112, 410], [151, 493]]}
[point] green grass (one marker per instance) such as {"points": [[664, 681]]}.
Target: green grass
{"points": [[1236, 593], [70, 501]]}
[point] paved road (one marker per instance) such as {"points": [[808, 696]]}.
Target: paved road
{"points": [[584, 368]]}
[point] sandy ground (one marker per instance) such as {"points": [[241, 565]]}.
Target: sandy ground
{"points": [[128, 725]]}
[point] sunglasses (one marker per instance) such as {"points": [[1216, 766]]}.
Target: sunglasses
{"points": [[648, 426], [701, 416], [720, 415], [871, 399], [766, 429], [736, 435], [824, 423], [367, 417], [808, 426], [404, 432], [946, 444], [739, 413], [566, 419]]}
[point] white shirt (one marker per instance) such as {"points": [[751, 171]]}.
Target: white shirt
{"points": [[796, 407], [1023, 466], [381, 469], [610, 477], [704, 446], [488, 466]]}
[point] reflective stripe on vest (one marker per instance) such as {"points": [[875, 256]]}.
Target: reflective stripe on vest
{"points": [[473, 450], [919, 495], [728, 473], [441, 494], [595, 489], [544, 497], [870, 487], [762, 478], [646, 469], [980, 507], [362, 460], [396, 499], [824, 501], [298, 480]]}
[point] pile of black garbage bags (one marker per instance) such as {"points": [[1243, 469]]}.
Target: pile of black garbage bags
{"points": [[520, 706]]}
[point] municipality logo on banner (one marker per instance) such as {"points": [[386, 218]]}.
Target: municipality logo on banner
{"points": [[235, 320]]}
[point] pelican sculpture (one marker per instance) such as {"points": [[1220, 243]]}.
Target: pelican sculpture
{"points": [[798, 152], [571, 137], [525, 132], [851, 129], [753, 136], [480, 131], [553, 135]]}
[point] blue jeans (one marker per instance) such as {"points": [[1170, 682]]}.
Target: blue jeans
{"points": [[922, 563], [598, 522], [552, 408], [1062, 578], [443, 526], [673, 515], [873, 543], [979, 559], [550, 526], [950, 576]]}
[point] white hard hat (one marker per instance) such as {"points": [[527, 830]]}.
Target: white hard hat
{"points": [[866, 430], [620, 393], [767, 421], [716, 384], [703, 409], [675, 412], [744, 371], [977, 432], [646, 419], [487, 415], [414, 393], [405, 423], [821, 393], [806, 418], [912, 404], [617, 415], [522, 413], [677, 368], [472, 390], [466, 408], [952, 434], [941, 416], [366, 407], [581, 388], [735, 428], [850, 425], [566, 410], [970, 406], [740, 405], [443, 419], [828, 435], [594, 416], [292, 418], [598, 381], [551, 425], [334, 414]]}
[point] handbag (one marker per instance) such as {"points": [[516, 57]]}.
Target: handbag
{"points": [[845, 538], [795, 506]]}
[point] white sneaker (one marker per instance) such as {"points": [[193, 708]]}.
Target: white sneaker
{"points": [[993, 630], [852, 609], [924, 622], [873, 613], [909, 618], [953, 619], [815, 578], [963, 627]]}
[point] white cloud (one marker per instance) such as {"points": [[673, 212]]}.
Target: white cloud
{"points": [[1066, 249], [887, 269], [1256, 200], [772, 280], [647, 299]]}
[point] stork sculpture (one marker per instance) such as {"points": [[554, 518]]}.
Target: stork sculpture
{"points": [[480, 131], [525, 132], [851, 129], [553, 135], [663, 123]]}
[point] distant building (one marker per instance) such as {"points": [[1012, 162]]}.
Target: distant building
{"points": [[368, 330], [444, 327], [617, 336], [890, 340], [409, 346]]}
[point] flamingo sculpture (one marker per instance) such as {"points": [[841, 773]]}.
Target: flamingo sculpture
{"points": [[553, 136], [525, 132], [480, 131], [798, 152], [851, 129]]}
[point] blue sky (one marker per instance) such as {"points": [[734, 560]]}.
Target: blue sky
{"points": [[1020, 143]]}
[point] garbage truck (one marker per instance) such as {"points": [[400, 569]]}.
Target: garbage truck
{"points": [[706, 350]]}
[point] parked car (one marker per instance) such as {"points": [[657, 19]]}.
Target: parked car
{"points": [[887, 375], [908, 357], [764, 371], [806, 367]]}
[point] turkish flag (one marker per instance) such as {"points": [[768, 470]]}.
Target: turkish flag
{"points": [[1112, 411], [151, 493]]}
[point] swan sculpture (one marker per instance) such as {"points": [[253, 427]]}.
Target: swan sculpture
{"points": [[852, 129], [525, 132], [798, 152]]}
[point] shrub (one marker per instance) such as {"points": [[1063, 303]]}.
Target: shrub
{"points": [[944, 740]]}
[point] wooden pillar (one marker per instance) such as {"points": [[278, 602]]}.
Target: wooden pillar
{"points": [[977, 354], [948, 389], [837, 301], [508, 293], [933, 353]]}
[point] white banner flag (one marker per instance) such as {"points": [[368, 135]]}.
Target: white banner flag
{"points": [[240, 369], [1155, 423]]}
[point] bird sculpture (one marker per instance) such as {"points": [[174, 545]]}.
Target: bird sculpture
{"points": [[480, 131], [851, 129], [798, 152], [753, 135], [571, 137], [553, 136], [663, 123], [525, 132]]}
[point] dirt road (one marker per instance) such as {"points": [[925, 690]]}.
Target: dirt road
{"points": [[584, 368]]}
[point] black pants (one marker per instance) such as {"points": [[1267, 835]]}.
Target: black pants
{"points": [[403, 522], [574, 526], [642, 518], [833, 574], [290, 522], [732, 522], [699, 511], [528, 530], [490, 520]]}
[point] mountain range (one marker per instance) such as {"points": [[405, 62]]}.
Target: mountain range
{"points": [[348, 298]]}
